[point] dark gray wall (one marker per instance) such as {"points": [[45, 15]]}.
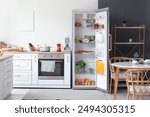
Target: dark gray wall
{"points": [[135, 12]]}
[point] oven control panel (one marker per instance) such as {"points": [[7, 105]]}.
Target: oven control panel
{"points": [[50, 56]]}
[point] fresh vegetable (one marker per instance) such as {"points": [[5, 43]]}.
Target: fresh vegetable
{"points": [[80, 64]]}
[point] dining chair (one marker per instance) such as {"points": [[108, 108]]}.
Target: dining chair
{"points": [[138, 83], [122, 76]]}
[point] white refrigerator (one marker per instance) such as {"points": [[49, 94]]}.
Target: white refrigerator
{"points": [[91, 48]]}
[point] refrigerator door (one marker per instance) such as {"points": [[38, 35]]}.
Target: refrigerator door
{"points": [[102, 48]]}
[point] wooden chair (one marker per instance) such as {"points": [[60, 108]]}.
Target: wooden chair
{"points": [[113, 70], [138, 82]]}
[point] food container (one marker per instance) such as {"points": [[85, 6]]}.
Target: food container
{"points": [[45, 49]]}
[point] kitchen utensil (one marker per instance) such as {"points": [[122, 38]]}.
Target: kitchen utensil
{"points": [[44, 48]]}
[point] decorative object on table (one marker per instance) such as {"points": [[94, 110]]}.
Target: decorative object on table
{"points": [[124, 23], [67, 44], [136, 55], [58, 47], [141, 61], [134, 61], [147, 61], [44, 48], [130, 39], [80, 66], [32, 47]]}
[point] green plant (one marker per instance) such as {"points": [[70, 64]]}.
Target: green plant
{"points": [[80, 64]]}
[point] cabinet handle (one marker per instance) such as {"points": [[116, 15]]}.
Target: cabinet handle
{"points": [[110, 42], [67, 59], [17, 65], [35, 59], [17, 75], [8, 61], [9, 71]]}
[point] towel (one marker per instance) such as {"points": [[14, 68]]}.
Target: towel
{"points": [[47, 66]]}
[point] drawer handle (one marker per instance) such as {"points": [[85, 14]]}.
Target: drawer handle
{"points": [[17, 75], [8, 61], [9, 71], [17, 65]]}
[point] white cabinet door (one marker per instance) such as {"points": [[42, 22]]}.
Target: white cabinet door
{"points": [[21, 77], [21, 65], [22, 69], [67, 69]]}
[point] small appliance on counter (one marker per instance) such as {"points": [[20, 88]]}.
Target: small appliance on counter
{"points": [[67, 44], [58, 47]]}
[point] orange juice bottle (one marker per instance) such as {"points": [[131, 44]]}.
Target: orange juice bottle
{"points": [[99, 67]]}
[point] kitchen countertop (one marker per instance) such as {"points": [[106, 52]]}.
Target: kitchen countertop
{"points": [[34, 52], [3, 57]]}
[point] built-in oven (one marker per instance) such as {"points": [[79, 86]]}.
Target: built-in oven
{"points": [[50, 66]]}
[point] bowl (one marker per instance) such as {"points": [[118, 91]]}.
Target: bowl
{"points": [[147, 61], [134, 61]]}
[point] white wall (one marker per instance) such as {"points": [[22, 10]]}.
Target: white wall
{"points": [[52, 21]]}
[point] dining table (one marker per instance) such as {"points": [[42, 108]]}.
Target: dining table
{"points": [[125, 66]]}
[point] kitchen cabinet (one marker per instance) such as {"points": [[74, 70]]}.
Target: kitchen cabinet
{"points": [[22, 69], [26, 71], [6, 77]]}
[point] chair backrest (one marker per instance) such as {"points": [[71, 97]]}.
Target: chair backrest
{"points": [[117, 59], [138, 81], [120, 59]]}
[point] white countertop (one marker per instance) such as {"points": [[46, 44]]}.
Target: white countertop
{"points": [[34, 52], [130, 65]]}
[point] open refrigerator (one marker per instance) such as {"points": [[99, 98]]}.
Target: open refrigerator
{"points": [[91, 48]]}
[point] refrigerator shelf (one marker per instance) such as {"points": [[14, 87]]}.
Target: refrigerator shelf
{"points": [[93, 43], [83, 53], [84, 87]]}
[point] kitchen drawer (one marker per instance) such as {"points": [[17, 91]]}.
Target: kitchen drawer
{"points": [[22, 77], [22, 56], [8, 71], [22, 65], [8, 62]]}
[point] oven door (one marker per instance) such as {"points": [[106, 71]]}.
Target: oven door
{"points": [[51, 69]]}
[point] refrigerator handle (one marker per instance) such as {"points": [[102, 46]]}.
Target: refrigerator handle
{"points": [[110, 42]]}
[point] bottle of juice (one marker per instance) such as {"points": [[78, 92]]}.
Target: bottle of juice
{"points": [[99, 67]]}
